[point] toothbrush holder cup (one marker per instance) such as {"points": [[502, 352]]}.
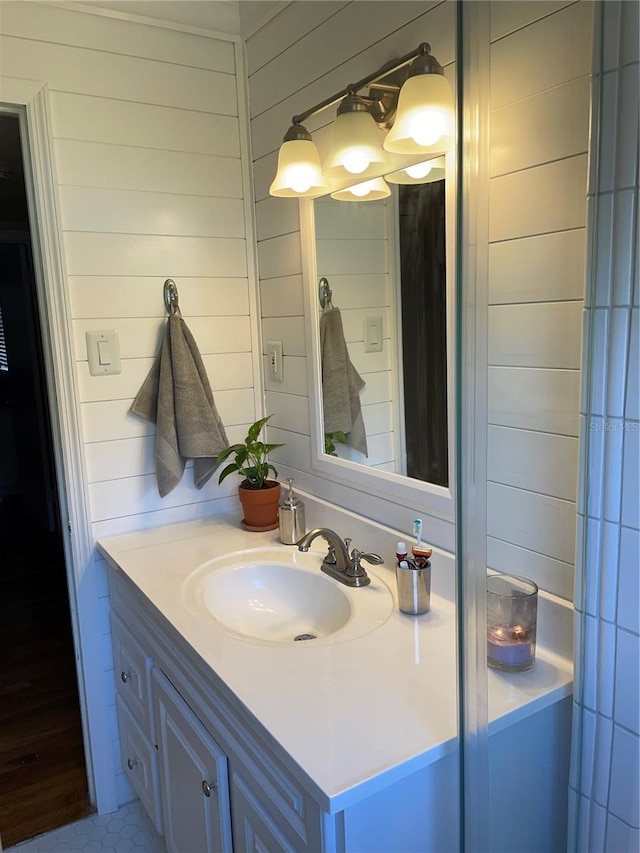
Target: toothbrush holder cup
{"points": [[414, 588]]}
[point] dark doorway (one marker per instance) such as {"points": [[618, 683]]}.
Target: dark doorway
{"points": [[43, 782], [424, 329]]}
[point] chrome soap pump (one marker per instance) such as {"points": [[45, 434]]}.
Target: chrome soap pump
{"points": [[291, 517]]}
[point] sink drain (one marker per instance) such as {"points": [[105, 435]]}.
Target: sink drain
{"points": [[304, 637]]}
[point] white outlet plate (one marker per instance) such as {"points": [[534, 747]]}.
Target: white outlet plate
{"points": [[275, 370], [373, 334]]}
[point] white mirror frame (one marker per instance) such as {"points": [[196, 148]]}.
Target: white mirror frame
{"points": [[422, 497]]}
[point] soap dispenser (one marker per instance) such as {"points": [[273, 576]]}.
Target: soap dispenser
{"points": [[291, 517]]}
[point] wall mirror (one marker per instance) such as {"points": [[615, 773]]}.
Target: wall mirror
{"points": [[390, 270]]}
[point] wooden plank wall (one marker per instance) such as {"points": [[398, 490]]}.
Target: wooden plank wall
{"points": [[150, 183], [541, 60], [308, 51], [148, 150], [538, 169]]}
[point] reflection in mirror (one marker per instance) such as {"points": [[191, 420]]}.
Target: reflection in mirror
{"points": [[385, 263]]}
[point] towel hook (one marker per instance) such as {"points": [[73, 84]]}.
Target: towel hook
{"points": [[171, 296], [324, 293]]}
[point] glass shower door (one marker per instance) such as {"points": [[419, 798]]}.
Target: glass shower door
{"points": [[522, 167]]}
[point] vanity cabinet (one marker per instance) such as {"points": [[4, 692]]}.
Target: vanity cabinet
{"points": [[208, 781], [215, 781], [328, 748]]}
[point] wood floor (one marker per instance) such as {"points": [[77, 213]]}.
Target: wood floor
{"points": [[43, 781]]}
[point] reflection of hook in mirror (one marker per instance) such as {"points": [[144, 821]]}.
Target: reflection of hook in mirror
{"points": [[387, 258], [324, 294]]}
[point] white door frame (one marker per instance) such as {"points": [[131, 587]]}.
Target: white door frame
{"points": [[29, 100]]}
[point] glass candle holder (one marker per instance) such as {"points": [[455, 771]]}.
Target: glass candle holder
{"points": [[512, 610]]}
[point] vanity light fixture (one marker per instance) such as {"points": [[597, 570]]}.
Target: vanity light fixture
{"points": [[418, 106], [299, 172], [424, 118], [420, 173], [356, 147], [370, 190]]}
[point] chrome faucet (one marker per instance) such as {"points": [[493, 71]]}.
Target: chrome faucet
{"points": [[338, 563]]}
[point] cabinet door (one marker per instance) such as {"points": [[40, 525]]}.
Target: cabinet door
{"points": [[194, 778], [254, 831]]}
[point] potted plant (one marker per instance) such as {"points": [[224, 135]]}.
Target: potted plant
{"points": [[258, 495]]}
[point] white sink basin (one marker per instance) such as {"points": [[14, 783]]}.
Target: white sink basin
{"points": [[281, 596]]}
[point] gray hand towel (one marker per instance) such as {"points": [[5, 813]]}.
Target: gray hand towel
{"points": [[341, 383], [177, 397]]}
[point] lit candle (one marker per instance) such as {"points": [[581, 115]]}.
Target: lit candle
{"points": [[509, 646]]}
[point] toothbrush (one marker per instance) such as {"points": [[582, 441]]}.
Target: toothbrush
{"points": [[420, 553]]}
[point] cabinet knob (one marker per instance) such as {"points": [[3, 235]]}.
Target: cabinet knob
{"points": [[207, 787], [131, 763], [125, 676]]}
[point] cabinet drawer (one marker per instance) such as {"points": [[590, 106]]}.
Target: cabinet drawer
{"points": [[132, 674], [140, 763]]}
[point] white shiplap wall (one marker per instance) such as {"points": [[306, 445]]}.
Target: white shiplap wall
{"points": [[148, 145], [539, 144], [306, 52], [538, 174]]}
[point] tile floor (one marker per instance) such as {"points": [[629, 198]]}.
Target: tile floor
{"points": [[128, 830]]}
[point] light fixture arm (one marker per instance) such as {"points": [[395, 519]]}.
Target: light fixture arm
{"points": [[423, 49]]}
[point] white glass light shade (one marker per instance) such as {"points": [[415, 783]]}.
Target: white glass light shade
{"points": [[299, 172], [421, 173], [366, 191], [425, 118], [355, 147]]}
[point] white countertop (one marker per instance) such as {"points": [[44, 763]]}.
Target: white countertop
{"points": [[354, 715]]}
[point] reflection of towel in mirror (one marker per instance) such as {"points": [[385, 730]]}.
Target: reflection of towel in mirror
{"points": [[341, 383], [176, 396]]}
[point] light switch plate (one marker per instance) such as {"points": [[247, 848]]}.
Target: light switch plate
{"points": [[103, 352], [275, 370]]}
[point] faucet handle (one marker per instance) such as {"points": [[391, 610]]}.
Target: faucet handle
{"points": [[374, 559], [331, 558], [355, 569]]}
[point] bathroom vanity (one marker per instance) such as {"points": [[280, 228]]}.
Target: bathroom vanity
{"points": [[238, 738]]}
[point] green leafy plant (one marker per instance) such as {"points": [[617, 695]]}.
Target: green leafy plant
{"points": [[329, 441], [250, 458]]}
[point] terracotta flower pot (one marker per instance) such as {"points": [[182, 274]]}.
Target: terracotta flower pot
{"points": [[260, 506]]}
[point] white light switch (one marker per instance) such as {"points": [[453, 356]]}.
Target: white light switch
{"points": [[275, 369], [373, 334], [103, 352]]}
